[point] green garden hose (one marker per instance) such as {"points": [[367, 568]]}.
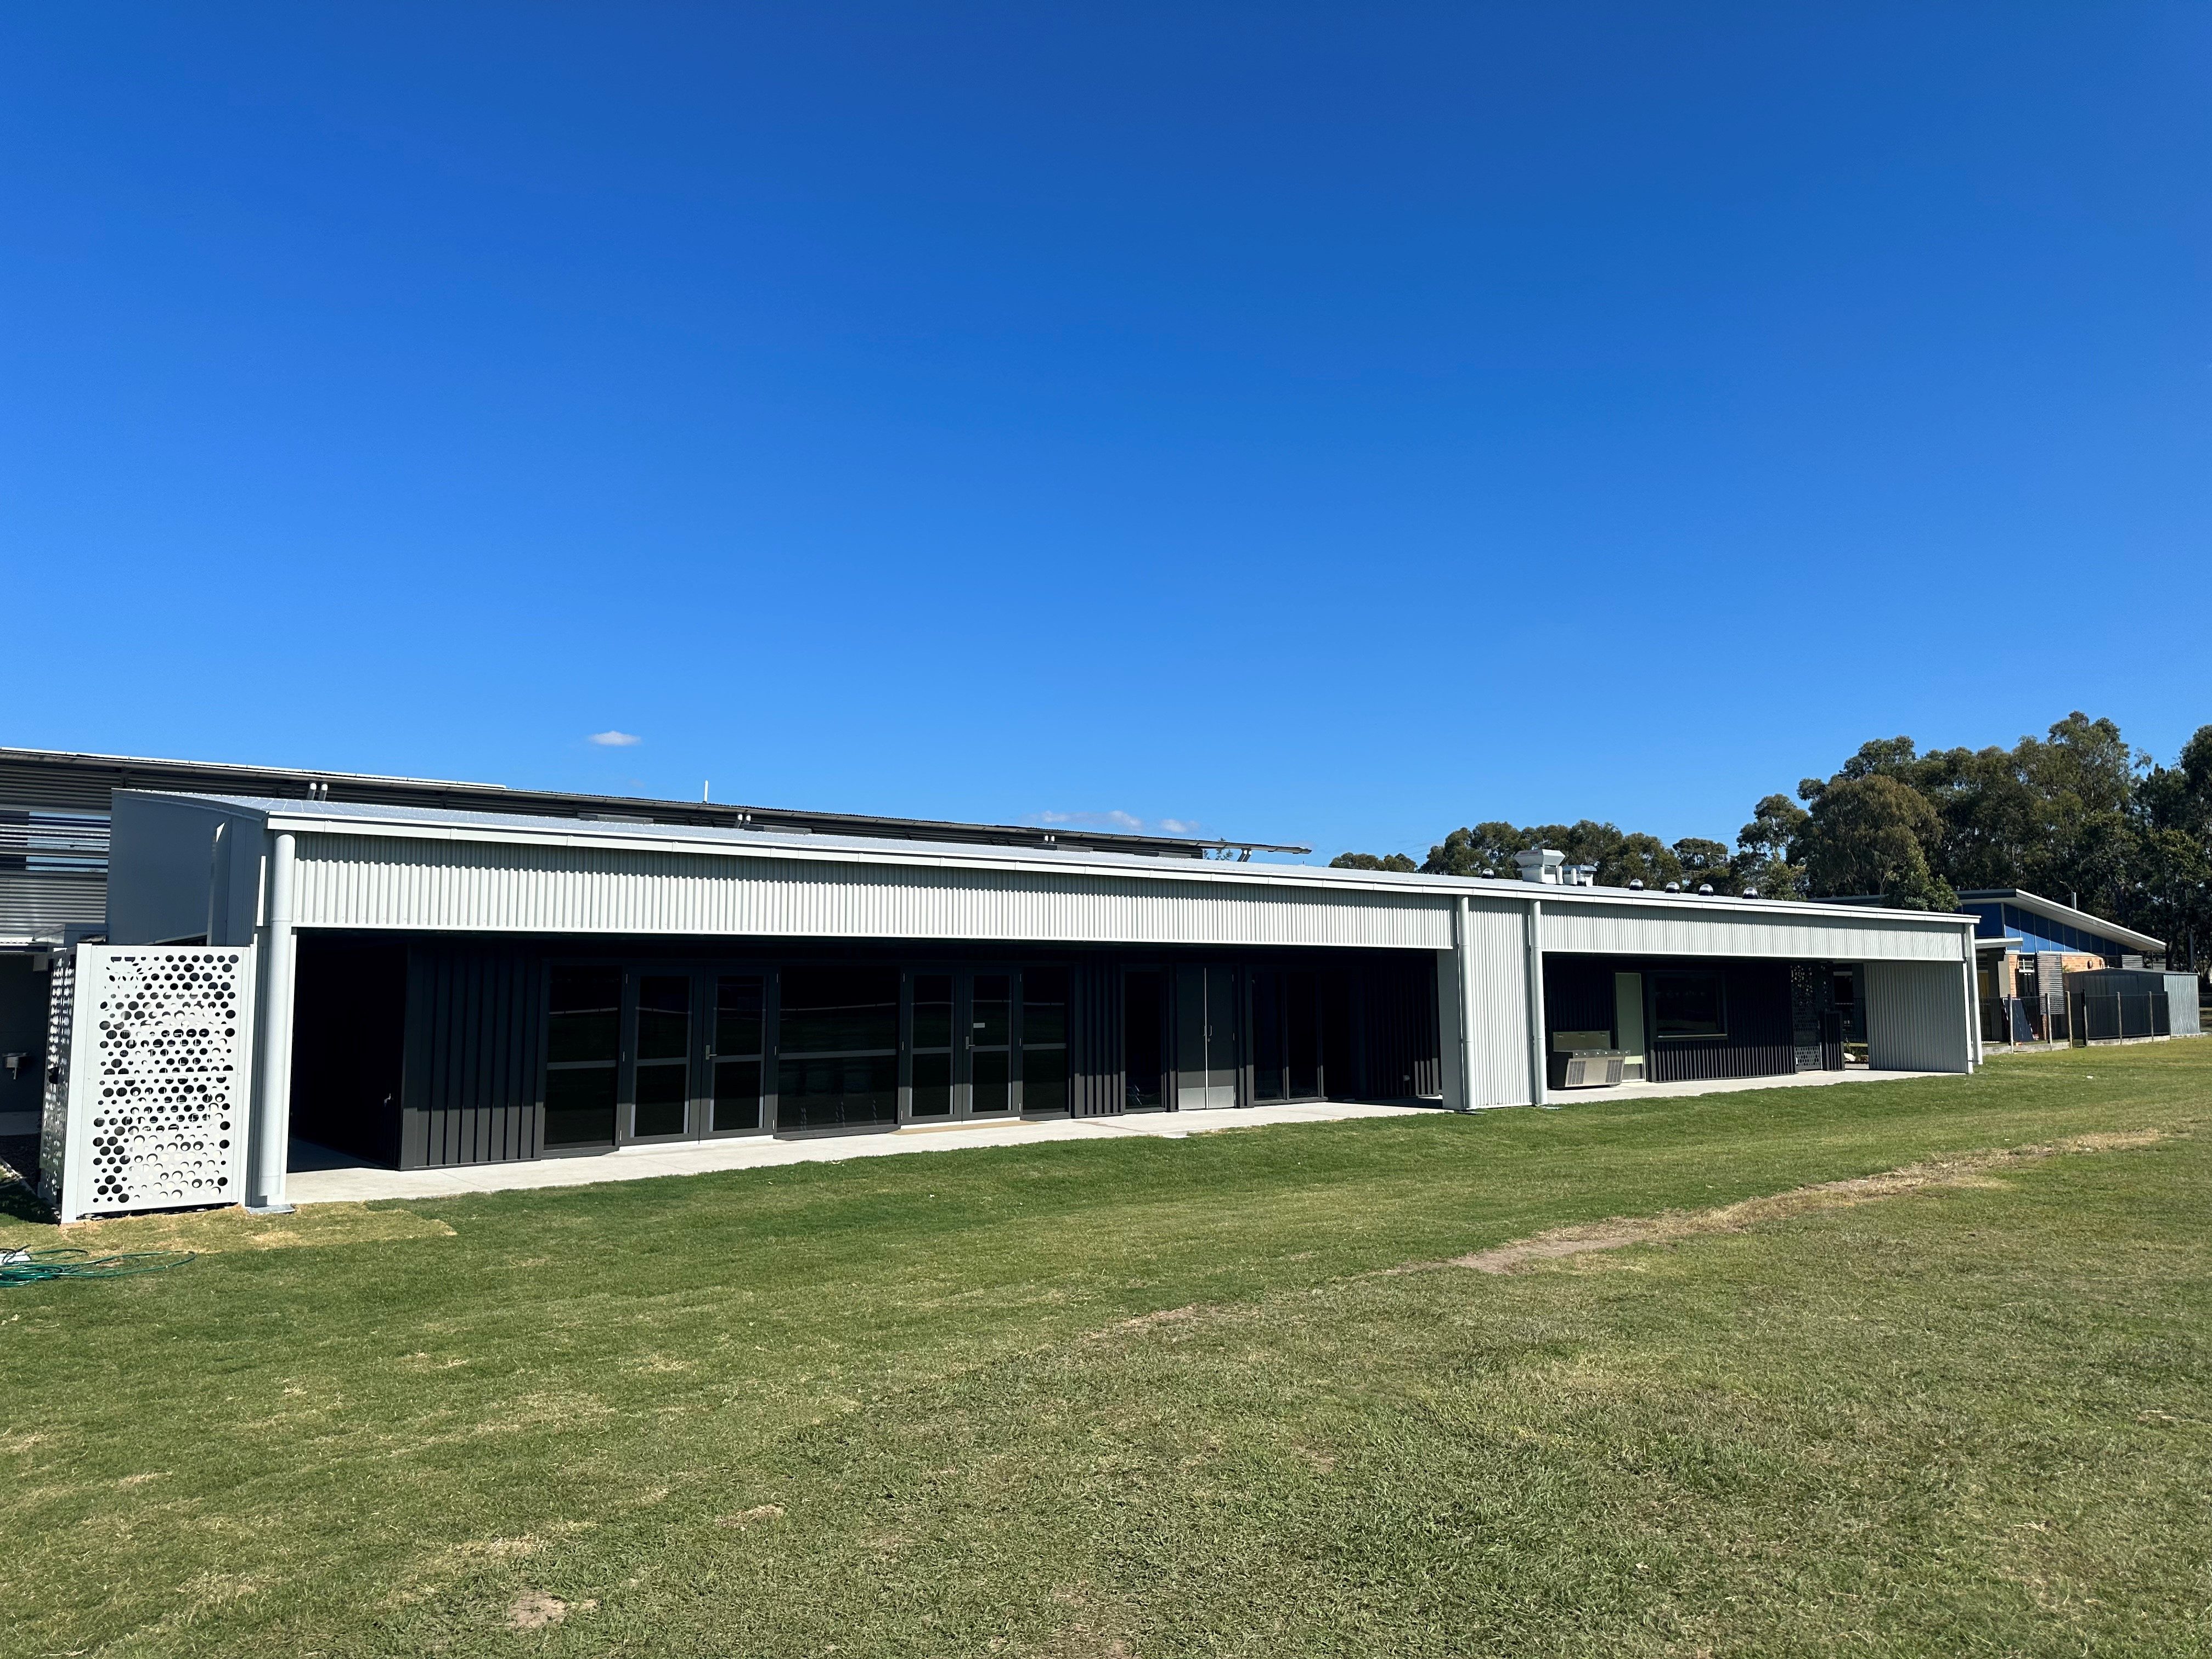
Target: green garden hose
{"points": [[39, 1266]]}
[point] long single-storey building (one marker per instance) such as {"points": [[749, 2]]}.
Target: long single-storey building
{"points": [[425, 985]]}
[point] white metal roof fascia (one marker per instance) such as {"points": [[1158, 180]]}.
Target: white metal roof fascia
{"points": [[2052, 910], [335, 819], [2004, 944]]}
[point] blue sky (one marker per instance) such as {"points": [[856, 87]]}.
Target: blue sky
{"points": [[1331, 424]]}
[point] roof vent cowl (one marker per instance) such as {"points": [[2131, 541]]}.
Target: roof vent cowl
{"points": [[1541, 864]]}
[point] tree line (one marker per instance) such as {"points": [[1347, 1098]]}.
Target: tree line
{"points": [[2078, 815]]}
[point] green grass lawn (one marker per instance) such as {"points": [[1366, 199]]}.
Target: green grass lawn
{"points": [[916, 1405]]}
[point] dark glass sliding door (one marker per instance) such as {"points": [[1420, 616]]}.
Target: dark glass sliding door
{"points": [[1045, 1041], [583, 1056], [661, 1089], [1289, 1013], [738, 1052], [990, 1045], [837, 1047], [652, 1054], [931, 1093], [985, 1043]]}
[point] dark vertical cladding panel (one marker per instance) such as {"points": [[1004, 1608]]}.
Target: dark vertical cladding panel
{"points": [[1100, 1088], [1396, 1011], [471, 1090], [1428, 1052], [1578, 995], [530, 1057], [414, 1087]]}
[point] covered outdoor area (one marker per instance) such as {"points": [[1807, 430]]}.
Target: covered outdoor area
{"points": [[1617, 1020]]}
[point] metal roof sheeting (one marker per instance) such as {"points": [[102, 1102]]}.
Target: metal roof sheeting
{"points": [[42, 777]]}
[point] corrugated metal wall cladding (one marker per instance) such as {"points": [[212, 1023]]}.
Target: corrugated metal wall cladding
{"points": [[2184, 1013], [1497, 1006], [1602, 930], [368, 882], [1916, 1017], [41, 905], [28, 783]]}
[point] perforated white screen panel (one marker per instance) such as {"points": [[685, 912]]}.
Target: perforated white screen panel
{"points": [[160, 1078]]}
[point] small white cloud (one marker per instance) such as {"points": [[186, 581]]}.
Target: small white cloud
{"points": [[1116, 819], [1180, 827], [614, 739]]}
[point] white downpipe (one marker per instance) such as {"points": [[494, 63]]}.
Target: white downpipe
{"points": [[1539, 1072], [272, 1114], [1463, 989]]}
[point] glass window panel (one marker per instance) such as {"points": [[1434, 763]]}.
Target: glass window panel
{"points": [[988, 1090], [669, 992], [663, 1016], [584, 1021], [576, 990], [828, 1090], [993, 1009], [663, 1092], [737, 1094], [1044, 1004], [1687, 1005], [828, 1010], [738, 1003], [932, 1010], [592, 1036], [1045, 1080], [579, 1107], [932, 1084], [1336, 1035], [1144, 1043], [1266, 1036]]}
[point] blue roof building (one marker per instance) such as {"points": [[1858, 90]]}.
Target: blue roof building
{"points": [[2040, 924]]}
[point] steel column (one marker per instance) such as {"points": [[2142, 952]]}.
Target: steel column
{"points": [[1539, 1069], [272, 1100]]}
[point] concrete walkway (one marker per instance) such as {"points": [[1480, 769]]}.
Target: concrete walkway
{"points": [[1733, 1085], [319, 1176]]}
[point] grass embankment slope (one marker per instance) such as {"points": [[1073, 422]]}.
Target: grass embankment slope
{"points": [[1160, 1398]]}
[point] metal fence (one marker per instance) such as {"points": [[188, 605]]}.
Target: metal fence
{"points": [[2078, 1017], [2109, 1015]]}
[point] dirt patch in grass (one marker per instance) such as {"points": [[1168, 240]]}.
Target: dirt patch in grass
{"points": [[535, 1610], [1960, 1170], [1144, 1322], [751, 1518]]}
